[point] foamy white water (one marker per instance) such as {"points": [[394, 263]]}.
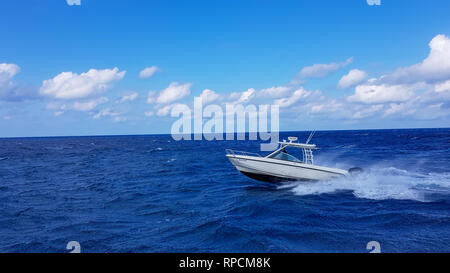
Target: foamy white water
{"points": [[380, 184]]}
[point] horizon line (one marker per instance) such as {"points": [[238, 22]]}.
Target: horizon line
{"points": [[246, 132]]}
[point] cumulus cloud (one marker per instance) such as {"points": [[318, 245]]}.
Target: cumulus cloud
{"points": [[421, 91], [129, 97], [165, 110], [9, 90], [354, 77], [367, 111], [433, 69], [80, 92], [151, 97], [325, 107], [321, 70], [396, 92], [174, 92], [295, 96], [274, 92], [382, 93], [148, 72], [394, 108], [443, 87], [73, 2], [252, 95], [83, 105], [242, 97], [88, 105], [7, 71], [107, 112], [209, 96], [114, 115], [340, 109], [69, 85]]}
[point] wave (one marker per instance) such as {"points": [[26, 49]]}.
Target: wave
{"points": [[381, 184]]}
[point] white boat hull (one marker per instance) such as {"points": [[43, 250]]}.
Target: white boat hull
{"points": [[275, 170]]}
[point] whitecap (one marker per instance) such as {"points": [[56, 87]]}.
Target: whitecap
{"points": [[380, 184]]}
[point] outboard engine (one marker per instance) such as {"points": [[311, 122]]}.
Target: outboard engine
{"points": [[355, 170]]}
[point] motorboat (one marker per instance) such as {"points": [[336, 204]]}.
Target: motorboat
{"points": [[281, 166]]}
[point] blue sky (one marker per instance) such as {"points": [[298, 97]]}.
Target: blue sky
{"points": [[74, 69]]}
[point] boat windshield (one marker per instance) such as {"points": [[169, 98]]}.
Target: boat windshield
{"points": [[284, 156]]}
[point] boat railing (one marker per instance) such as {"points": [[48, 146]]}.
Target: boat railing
{"points": [[234, 152]]}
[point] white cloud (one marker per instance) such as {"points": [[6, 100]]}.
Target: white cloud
{"points": [[83, 105], [274, 92], [89, 105], [110, 113], [148, 72], [151, 97], [130, 97], [435, 68], [174, 92], [165, 110], [372, 93], [107, 112], [73, 2], [367, 111], [354, 77], [68, 85], [322, 70], [443, 87], [421, 91], [7, 71], [9, 90], [433, 111], [394, 94], [259, 96], [394, 108], [242, 97], [296, 96], [208, 96], [326, 107]]}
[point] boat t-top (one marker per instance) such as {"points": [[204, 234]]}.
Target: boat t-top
{"points": [[280, 166]]}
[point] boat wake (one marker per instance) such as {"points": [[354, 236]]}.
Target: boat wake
{"points": [[382, 184]]}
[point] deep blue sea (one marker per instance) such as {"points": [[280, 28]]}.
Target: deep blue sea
{"points": [[153, 194]]}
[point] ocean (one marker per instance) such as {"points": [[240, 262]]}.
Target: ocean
{"points": [[150, 193]]}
